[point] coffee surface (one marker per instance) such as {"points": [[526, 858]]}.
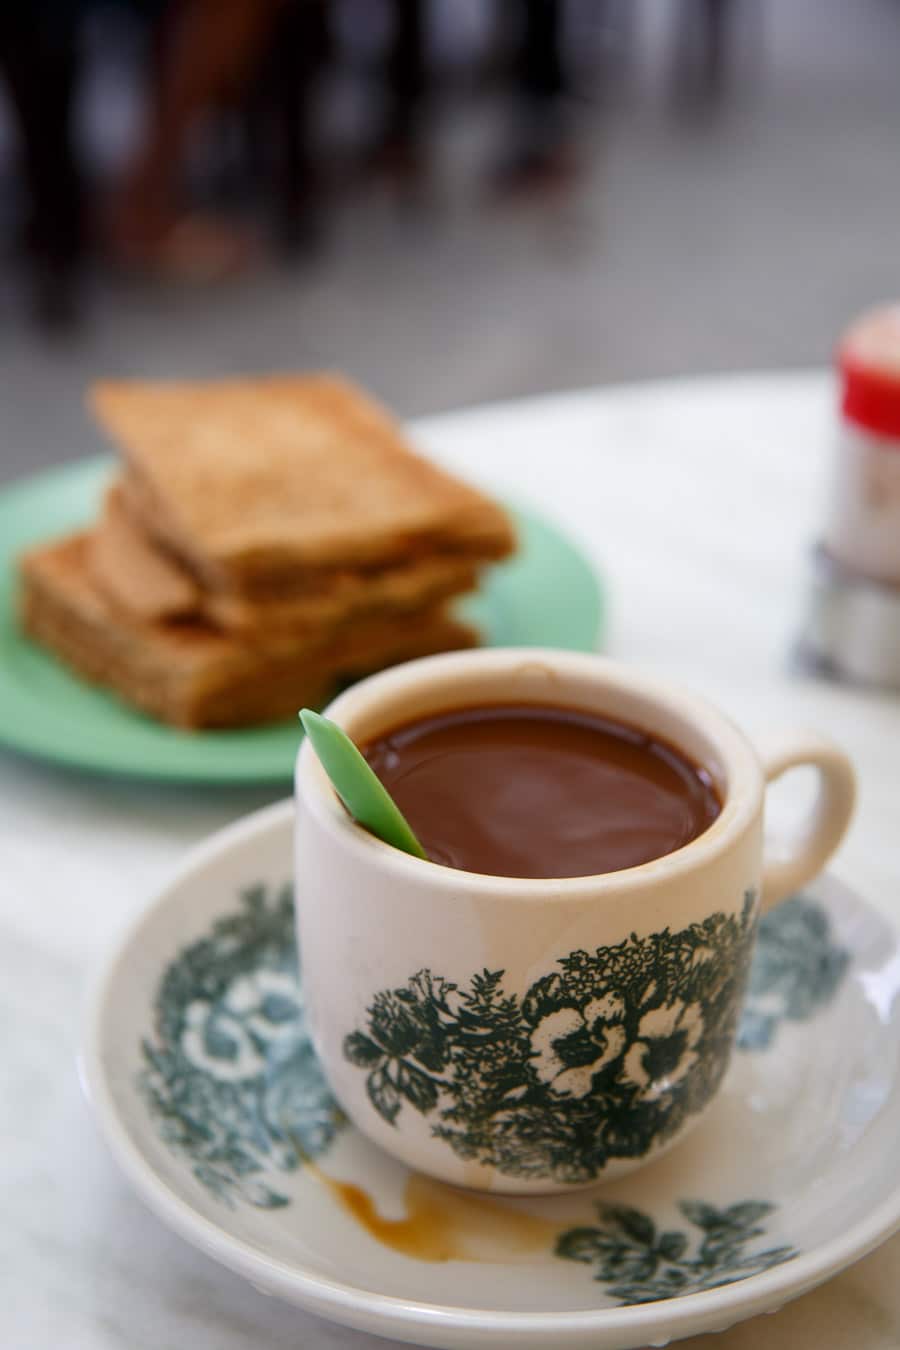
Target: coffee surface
{"points": [[536, 791]]}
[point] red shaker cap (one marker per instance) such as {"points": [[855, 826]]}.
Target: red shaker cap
{"points": [[869, 361]]}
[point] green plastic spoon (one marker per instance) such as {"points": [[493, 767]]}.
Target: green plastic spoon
{"points": [[361, 791]]}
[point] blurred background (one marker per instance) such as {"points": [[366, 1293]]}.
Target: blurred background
{"points": [[452, 200]]}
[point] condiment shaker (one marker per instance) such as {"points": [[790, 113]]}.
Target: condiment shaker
{"points": [[853, 625]]}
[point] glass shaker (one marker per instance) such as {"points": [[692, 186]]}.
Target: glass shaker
{"points": [[853, 626]]}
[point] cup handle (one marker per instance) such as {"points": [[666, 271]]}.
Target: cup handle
{"points": [[829, 817]]}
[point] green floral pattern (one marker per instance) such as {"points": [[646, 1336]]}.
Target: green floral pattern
{"points": [[231, 1079], [229, 1073], [797, 969], [639, 1264], [602, 1058]]}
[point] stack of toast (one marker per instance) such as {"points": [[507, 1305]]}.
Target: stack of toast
{"points": [[265, 540]]}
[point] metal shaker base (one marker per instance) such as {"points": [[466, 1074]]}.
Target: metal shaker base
{"points": [[852, 630]]}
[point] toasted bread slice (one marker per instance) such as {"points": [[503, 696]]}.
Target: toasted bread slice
{"points": [[187, 673], [139, 577], [389, 595], [144, 579], [250, 480]]}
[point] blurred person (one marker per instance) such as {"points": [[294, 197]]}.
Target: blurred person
{"points": [[704, 50], [542, 154], [280, 121], [207, 51], [397, 34], [39, 62], [406, 86]]}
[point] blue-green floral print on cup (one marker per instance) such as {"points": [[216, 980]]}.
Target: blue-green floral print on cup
{"points": [[602, 1058]]}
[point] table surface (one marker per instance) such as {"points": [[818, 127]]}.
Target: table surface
{"points": [[698, 501]]}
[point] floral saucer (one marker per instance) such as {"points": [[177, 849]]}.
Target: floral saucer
{"points": [[199, 1066]]}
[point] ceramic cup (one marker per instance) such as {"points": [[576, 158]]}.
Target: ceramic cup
{"points": [[538, 1035]]}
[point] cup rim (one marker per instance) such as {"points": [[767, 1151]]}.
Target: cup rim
{"points": [[742, 764]]}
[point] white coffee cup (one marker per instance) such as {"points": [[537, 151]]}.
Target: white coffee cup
{"points": [[539, 1035]]}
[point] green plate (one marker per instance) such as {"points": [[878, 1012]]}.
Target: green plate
{"points": [[547, 596]]}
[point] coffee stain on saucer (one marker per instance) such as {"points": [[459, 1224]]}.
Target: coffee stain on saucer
{"points": [[445, 1224]]}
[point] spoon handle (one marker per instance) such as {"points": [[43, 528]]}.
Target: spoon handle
{"points": [[359, 788]]}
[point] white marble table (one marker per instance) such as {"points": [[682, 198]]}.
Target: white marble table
{"points": [[698, 500]]}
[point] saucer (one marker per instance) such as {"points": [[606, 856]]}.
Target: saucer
{"points": [[199, 1066]]}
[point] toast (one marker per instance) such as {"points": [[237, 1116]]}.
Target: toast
{"points": [[249, 481], [133, 572], [188, 674], [140, 577]]}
